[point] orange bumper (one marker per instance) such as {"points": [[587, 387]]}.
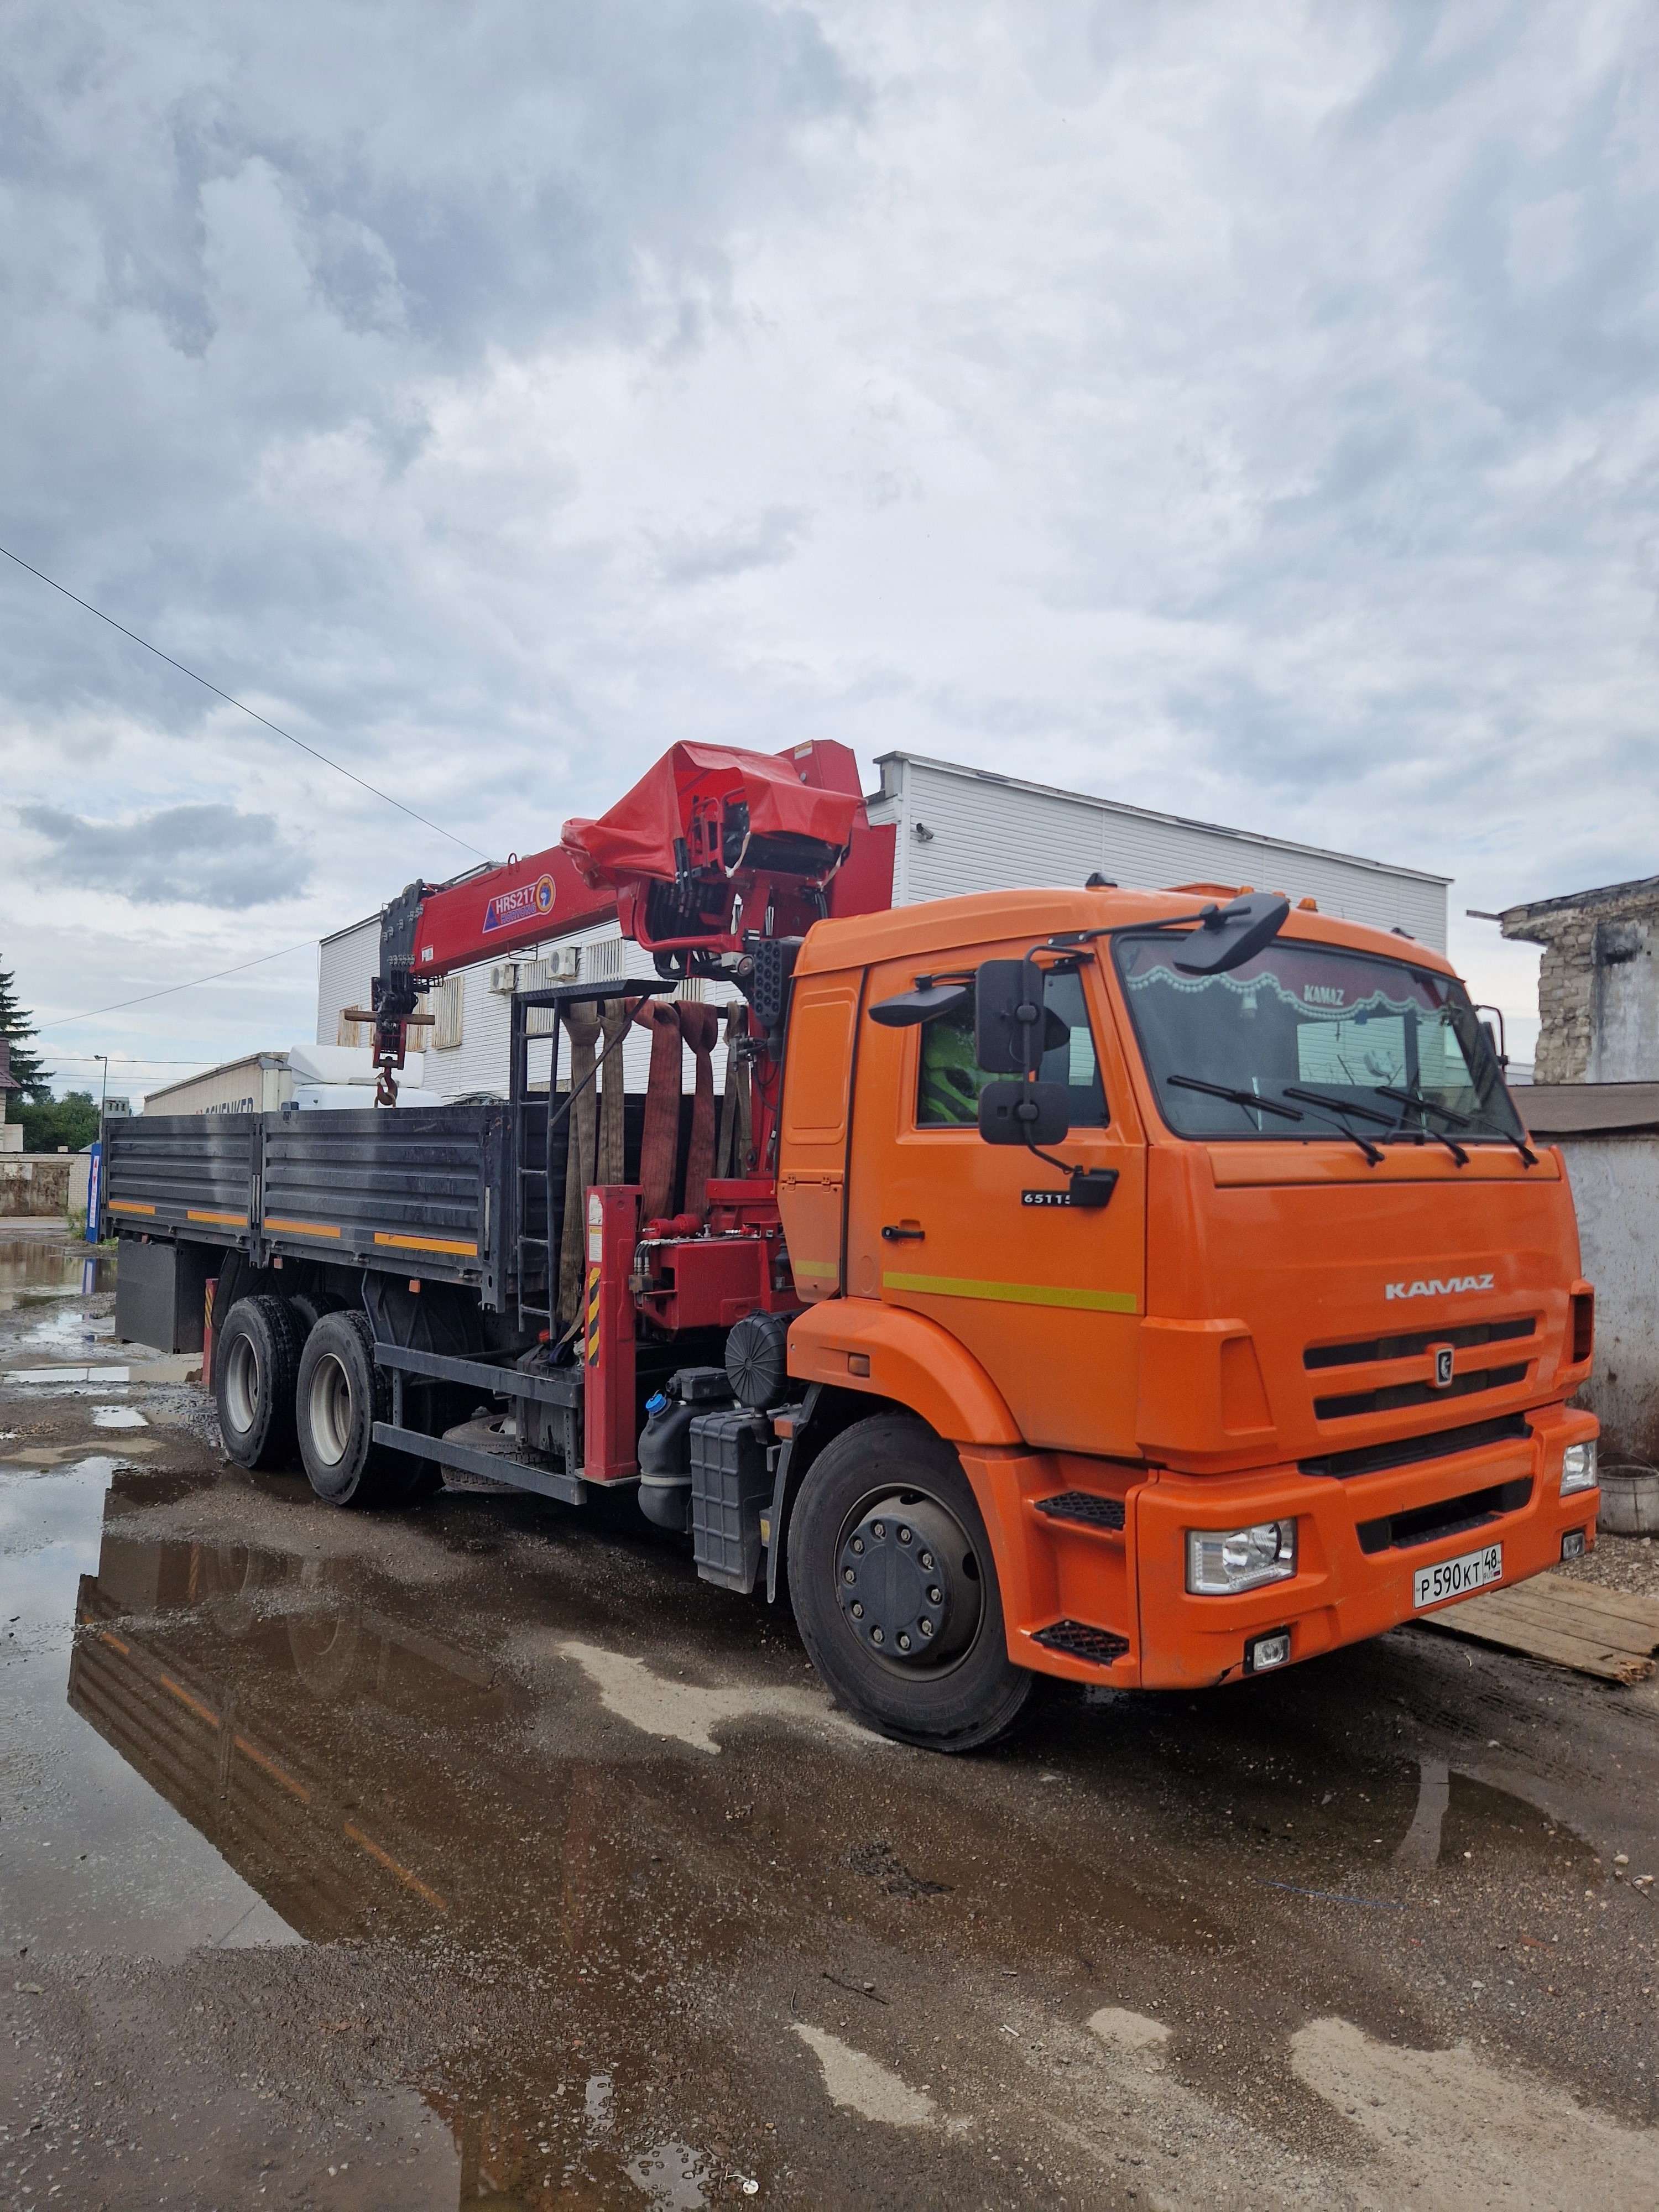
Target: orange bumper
{"points": [[1097, 1602]]}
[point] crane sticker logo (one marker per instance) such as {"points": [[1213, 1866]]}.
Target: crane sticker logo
{"points": [[1436, 1288], [522, 903]]}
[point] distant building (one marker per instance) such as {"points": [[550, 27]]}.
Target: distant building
{"points": [[1598, 989], [959, 830]]}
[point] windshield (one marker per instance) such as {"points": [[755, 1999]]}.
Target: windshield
{"points": [[1310, 1028]]}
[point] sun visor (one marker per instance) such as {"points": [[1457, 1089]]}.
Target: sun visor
{"points": [[637, 836]]}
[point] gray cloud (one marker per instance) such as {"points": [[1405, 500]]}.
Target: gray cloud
{"points": [[1244, 411], [209, 856], [764, 542]]}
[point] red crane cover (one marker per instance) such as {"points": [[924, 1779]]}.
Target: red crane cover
{"points": [[636, 837]]}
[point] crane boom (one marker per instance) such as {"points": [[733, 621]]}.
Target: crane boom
{"points": [[713, 851]]}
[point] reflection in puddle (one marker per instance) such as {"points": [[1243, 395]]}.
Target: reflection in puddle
{"points": [[35, 1267]]}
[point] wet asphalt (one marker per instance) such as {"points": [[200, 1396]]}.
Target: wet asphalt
{"points": [[480, 1853]]}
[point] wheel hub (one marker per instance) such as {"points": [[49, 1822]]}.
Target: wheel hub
{"points": [[907, 1582]]}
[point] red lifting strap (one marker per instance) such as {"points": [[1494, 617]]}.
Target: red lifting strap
{"points": [[679, 1021]]}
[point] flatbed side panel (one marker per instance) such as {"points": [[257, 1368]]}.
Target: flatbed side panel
{"points": [[189, 1173], [401, 1191]]}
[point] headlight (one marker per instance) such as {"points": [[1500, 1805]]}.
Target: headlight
{"points": [[1579, 1467], [1220, 1562]]}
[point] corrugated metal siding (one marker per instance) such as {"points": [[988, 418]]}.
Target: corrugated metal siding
{"points": [[258, 1084], [987, 835]]}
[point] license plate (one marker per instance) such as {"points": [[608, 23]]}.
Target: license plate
{"points": [[1457, 1577]]}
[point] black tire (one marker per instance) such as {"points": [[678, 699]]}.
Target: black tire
{"points": [[340, 1396], [886, 1528], [256, 1359]]}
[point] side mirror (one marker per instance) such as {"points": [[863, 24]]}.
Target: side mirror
{"points": [[1229, 935], [1008, 1016], [1023, 1113]]}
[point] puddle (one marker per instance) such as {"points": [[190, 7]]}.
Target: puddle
{"points": [[63, 1377], [117, 1417], [96, 1856], [33, 1267]]}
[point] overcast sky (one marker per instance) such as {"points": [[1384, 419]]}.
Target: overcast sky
{"points": [[1244, 411]]}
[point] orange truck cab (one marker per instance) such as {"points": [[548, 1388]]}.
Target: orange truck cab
{"points": [[1183, 1283]]}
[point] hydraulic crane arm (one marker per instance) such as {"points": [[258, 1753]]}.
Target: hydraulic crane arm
{"points": [[711, 851]]}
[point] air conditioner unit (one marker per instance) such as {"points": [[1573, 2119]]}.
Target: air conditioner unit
{"points": [[504, 978], [563, 963]]}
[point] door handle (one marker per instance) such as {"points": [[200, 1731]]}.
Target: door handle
{"points": [[893, 1233]]}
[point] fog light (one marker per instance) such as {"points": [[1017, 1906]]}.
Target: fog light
{"points": [[1264, 1651], [1579, 1467], [1572, 1544], [1220, 1562]]}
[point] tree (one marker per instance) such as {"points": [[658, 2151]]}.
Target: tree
{"points": [[71, 1122], [17, 1026]]}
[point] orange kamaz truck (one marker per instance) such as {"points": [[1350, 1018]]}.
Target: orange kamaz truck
{"points": [[1147, 1288]]}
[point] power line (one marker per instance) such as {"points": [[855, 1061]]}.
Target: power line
{"points": [[346, 772], [122, 1060], [121, 1005]]}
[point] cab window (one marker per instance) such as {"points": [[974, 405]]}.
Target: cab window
{"points": [[951, 1079]]}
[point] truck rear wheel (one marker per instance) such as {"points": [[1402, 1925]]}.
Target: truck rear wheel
{"points": [[895, 1589], [340, 1396], [255, 1360]]}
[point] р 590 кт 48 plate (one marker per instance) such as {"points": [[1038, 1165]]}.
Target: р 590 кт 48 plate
{"points": [[1457, 1577]]}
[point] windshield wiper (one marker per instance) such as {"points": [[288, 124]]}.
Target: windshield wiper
{"points": [[1234, 1096], [1458, 1120], [1345, 1106], [1392, 1122]]}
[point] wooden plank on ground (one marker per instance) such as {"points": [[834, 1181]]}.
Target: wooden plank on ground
{"points": [[1609, 1633]]}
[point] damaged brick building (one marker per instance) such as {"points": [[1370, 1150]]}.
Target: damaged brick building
{"points": [[1595, 1093]]}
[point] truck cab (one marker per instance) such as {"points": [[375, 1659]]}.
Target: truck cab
{"points": [[1268, 1348]]}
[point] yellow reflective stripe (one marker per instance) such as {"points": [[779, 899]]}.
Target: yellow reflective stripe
{"points": [[594, 1316], [125, 1206], [1013, 1294], [426, 1243], [302, 1227], [225, 1220], [815, 1266]]}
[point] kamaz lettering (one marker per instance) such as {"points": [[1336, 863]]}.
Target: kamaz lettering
{"points": [[1436, 1289]]}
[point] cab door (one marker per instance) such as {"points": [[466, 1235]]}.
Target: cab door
{"points": [[981, 1238]]}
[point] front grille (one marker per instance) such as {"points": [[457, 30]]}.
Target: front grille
{"points": [[1079, 1641], [1393, 1395], [1408, 1451], [1083, 1506], [1406, 1347], [1449, 1517]]}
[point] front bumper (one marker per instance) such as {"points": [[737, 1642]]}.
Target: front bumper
{"points": [[1342, 1591]]}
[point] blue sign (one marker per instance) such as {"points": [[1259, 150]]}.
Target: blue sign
{"points": [[94, 1190]]}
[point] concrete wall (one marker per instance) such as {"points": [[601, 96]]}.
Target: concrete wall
{"points": [[1615, 1189]]}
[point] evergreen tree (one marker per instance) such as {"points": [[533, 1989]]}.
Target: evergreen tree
{"points": [[16, 1026]]}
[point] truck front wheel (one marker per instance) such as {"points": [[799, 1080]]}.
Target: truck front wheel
{"points": [[895, 1589], [254, 1362]]}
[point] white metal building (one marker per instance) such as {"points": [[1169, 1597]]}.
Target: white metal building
{"points": [[959, 830], [969, 829]]}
